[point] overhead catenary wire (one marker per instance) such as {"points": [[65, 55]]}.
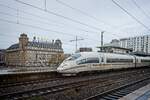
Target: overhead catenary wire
{"points": [[30, 19], [84, 13], [55, 22], [32, 14], [4, 41], [138, 6], [4, 13], [15, 36], [40, 21], [59, 15], [37, 16], [133, 17], [37, 27], [63, 32]]}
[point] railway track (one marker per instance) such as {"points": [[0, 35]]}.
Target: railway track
{"points": [[47, 90], [70, 84], [28, 82], [9, 87], [115, 94]]}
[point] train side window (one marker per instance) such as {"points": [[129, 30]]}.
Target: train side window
{"points": [[92, 60], [145, 60], [88, 60], [119, 60]]}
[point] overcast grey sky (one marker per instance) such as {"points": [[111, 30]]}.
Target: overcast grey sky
{"points": [[96, 16]]}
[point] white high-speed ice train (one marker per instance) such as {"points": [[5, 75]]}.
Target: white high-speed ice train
{"points": [[93, 61]]}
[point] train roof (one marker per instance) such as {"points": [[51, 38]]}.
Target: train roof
{"points": [[110, 55]]}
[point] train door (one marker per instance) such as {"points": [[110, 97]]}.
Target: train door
{"points": [[134, 61], [102, 59], [102, 62], [88, 63], [138, 62]]}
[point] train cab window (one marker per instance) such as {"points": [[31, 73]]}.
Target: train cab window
{"points": [[82, 61], [74, 57], [88, 60]]}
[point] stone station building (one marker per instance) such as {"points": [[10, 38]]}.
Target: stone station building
{"points": [[34, 53]]}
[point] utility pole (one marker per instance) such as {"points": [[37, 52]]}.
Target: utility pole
{"points": [[76, 40], [45, 5], [102, 38], [17, 16]]}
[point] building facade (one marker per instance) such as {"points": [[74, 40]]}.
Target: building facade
{"points": [[114, 43], [34, 53], [85, 49], [2, 57], [138, 44]]}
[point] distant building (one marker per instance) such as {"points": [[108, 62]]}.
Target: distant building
{"points": [[114, 42], [138, 44], [2, 57], [34, 53], [85, 49], [114, 49]]}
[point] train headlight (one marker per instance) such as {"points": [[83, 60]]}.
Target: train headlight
{"points": [[61, 67]]}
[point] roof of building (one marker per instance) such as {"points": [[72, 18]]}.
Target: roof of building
{"points": [[123, 39], [43, 45], [23, 34], [37, 44], [114, 40], [2, 50], [114, 47], [134, 37], [14, 46]]}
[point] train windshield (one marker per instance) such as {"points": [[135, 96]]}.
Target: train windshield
{"points": [[74, 57]]}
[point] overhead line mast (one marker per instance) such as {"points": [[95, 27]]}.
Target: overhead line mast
{"points": [[76, 40], [102, 38]]}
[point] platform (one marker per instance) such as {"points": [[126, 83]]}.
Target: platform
{"points": [[140, 94], [19, 70], [10, 75]]}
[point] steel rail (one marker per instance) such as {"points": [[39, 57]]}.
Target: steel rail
{"points": [[118, 92]]}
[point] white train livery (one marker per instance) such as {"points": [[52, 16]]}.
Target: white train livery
{"points": [[93, 61]]}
